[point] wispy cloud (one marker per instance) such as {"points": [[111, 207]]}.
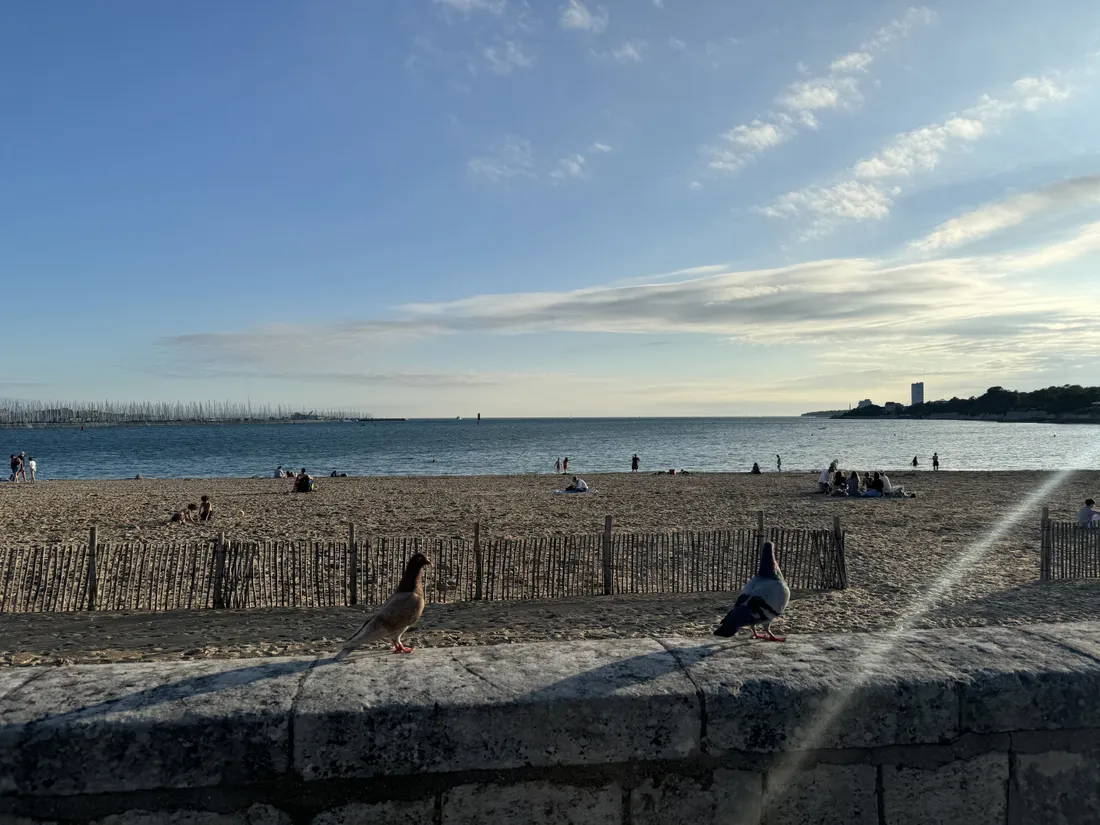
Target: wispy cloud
{"points": [[799, 104], [935, 308], [506, 56], [993, 218], [677, 43], [511, 158], [577, 16], [873, 183], [467, 7], [629, 52]]}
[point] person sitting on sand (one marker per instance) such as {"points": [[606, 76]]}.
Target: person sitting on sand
{"points": [[853, 484], [188, 515], [1087, 516], [874, 487], [303, 483], [577, 485], [279, 472], [206, 509], [755, 469], [823, 480]]}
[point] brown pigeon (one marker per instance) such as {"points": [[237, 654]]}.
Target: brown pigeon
{"points": [[400, 612]]}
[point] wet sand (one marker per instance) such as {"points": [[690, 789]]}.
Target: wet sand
{"points": [[895, 548]]}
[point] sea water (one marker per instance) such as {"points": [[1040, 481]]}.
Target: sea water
{"points": [[499, 446]]}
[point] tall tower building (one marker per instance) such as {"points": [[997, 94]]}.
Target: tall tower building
{"points": [[917, 392]]}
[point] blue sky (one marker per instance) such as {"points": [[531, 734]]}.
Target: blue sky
{"points": [[439, 207]]}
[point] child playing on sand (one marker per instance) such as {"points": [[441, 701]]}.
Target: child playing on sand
{"points": [[190, 515], [206, 509]]}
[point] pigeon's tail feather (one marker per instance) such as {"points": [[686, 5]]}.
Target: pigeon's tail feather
{"points": [[741, 616]]}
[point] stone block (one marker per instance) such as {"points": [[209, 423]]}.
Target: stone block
{"points": [[127, 727], [822, 794], [725, 798], [418, 812], [255, 815], [532, 803], [1021, 680], [819, 692], [497, 707], [974, 792], [1056, 789]]}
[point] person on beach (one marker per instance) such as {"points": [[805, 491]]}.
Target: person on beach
{"points": [[755, 469], [935, 461], [778, 463], [557, 466], [303, 483], [823, 481], [1087, 516], [22, 466], [206, 509], [279, 472], [874, 487], [565, 465], [853, 484], [915, 462], [14, 467], [187, 515], [577, 485], [32, 465], [635, 462]]}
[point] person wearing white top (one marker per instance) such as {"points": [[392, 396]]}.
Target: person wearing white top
{"points": [[578, 485], [1087, 515], [32, 465], [824, 480], [279, 471]]}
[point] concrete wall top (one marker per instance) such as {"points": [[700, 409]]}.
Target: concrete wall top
{"points": [[187, 725]]}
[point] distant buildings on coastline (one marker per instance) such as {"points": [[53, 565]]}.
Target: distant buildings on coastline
{"points": [[917, 393]]}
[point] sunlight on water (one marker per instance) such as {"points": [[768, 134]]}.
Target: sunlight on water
{"points": [[874, 659]]}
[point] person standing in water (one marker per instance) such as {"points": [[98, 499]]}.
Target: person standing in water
{"points": [[634, 463], [557, 466], [935, 461], [565, 465], [32, 467], [778, 463], [915, 462]]}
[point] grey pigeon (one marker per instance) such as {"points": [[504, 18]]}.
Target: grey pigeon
{"points": [[763, 599]]}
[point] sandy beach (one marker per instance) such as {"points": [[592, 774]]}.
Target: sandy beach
{"points": [[896, 549]]}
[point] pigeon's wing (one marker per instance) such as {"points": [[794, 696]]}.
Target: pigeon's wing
{"points": [[398, 614], [401, 612], [772, 593], [749, 609]]}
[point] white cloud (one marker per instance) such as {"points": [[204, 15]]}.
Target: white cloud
{"points": [[992, 218], [865, 196], [659, 3], [677, 43], [513, 158], [629, 52], [599, 148], [571, 166], [695, 186], [853, 62], [839, 89], [504, 57], [467, 7], [577, 16]]}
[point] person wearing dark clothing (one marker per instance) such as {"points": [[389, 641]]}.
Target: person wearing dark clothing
{"points": [[755, 469], [915, 462], [935, 461], [634, 463]]}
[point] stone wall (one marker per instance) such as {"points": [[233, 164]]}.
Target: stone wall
{"points": [[986, 726]]}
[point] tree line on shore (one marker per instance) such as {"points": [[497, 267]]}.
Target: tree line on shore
{"points": [[1069, 399]]}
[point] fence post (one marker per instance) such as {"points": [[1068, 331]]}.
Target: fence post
{"points": [[607, 522], [479, 570], [93, 540], [838, 555], [1044, 546], [219, 571], [353, 572], [759, 532]]}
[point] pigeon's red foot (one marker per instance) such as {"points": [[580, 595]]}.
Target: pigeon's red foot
{"points": [[757, 634], [771, 637], [402, 649]]}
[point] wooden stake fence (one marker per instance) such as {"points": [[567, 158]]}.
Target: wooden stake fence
{"points": [[1067, 551], [231, 574]]}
